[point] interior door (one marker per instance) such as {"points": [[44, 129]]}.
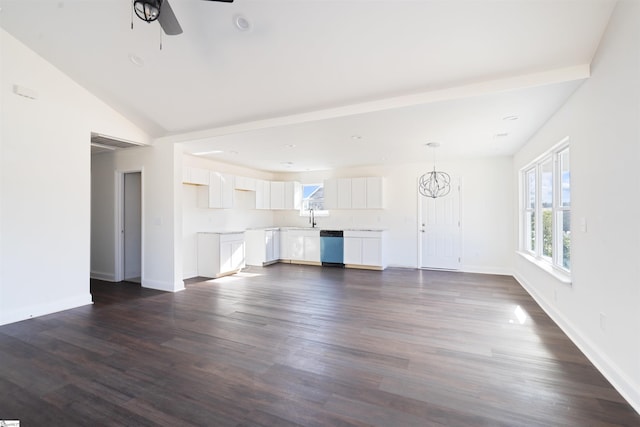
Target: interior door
{"points": [[440, 230], [132, 213]]}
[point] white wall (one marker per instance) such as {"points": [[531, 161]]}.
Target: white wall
{"points": [[486, 211], [45, 184], [602, 121], [161, 167]]}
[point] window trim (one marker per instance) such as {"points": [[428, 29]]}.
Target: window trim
{"points": [[555, 262]]}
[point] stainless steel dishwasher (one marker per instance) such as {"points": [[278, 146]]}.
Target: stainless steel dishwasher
{"points": [[332, 248]]}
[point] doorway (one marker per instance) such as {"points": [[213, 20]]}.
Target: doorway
{"points": [[439, 230], [130, 229]]}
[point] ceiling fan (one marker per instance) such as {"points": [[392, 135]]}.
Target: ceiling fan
{"points": [[150, 10]]}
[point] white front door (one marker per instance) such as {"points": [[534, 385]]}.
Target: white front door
{"points": [[439, 230]]}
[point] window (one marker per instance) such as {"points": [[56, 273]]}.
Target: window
{"points": [[313, 198], [546, 213]]}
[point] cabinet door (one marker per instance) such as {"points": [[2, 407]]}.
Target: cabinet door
{"points": [[285, 251], [292, 195], [296, 246], [312, 248], [344, 193], [372, 252], [330, 188], [352, 250], [268, 245], [277, 195], [196, 176], [276, 245], [199, 176], [375, 188], [237, 255], [226, 191], [244, 183], [263, 194], [226, 251], [215, 190], [359, 193]]}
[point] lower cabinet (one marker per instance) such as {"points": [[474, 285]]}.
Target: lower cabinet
{"points": [[365, 249], [220, 254], [300, 246], [262, 246]]}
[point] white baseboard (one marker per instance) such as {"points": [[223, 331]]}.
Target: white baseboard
{"points": [[37, 310], [501, 271], [620, 381], [101, 275], [163, 286]]}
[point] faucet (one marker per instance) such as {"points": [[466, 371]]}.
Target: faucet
{"points": [[312, 218]]}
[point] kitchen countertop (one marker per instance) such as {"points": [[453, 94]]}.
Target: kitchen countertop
{"points": [[319, 228], [222, 232]]}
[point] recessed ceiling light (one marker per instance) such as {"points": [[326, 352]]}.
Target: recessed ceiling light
{"points": [[432, 144], [356, 137], [241, 23], [136, 60], [510, 118], [203, 153], [502, 134], [290, 145], [233, 152]]}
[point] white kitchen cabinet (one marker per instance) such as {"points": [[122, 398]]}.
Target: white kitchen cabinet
{"points": [[365, 249], [330, 188], [220, 254], [301, 246], [285, 195], [244, 183], [354, 193], [344, 193], [375, 192], [219, 194], [195, 176], [262, 246], [359, 193], [292, 195], [263, 194], [277, 195]]}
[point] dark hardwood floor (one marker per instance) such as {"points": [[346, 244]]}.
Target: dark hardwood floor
{"points": [[291, 345]]}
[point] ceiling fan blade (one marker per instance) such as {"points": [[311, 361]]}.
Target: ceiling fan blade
{"points": [[224, 1], [168, 20]]}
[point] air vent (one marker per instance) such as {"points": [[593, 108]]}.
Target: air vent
{"points": [[101, 143]]}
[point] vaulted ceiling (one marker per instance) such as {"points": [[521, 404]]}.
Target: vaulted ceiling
{"points": [[325, 84]]}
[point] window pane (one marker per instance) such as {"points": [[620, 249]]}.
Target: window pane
{"points": [[564, 217], [565, 178], [531, 189], [530, 231], [547, 233], [312, 197], [546, 184]]}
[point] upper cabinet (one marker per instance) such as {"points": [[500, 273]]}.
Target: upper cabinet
{"points": [[354, 193], [278, 195], [221, 187], [196, 176], [245, 184], [263, 194], [220, 191]]}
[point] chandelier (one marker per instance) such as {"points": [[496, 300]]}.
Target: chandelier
{"points": [[434, 184]]}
